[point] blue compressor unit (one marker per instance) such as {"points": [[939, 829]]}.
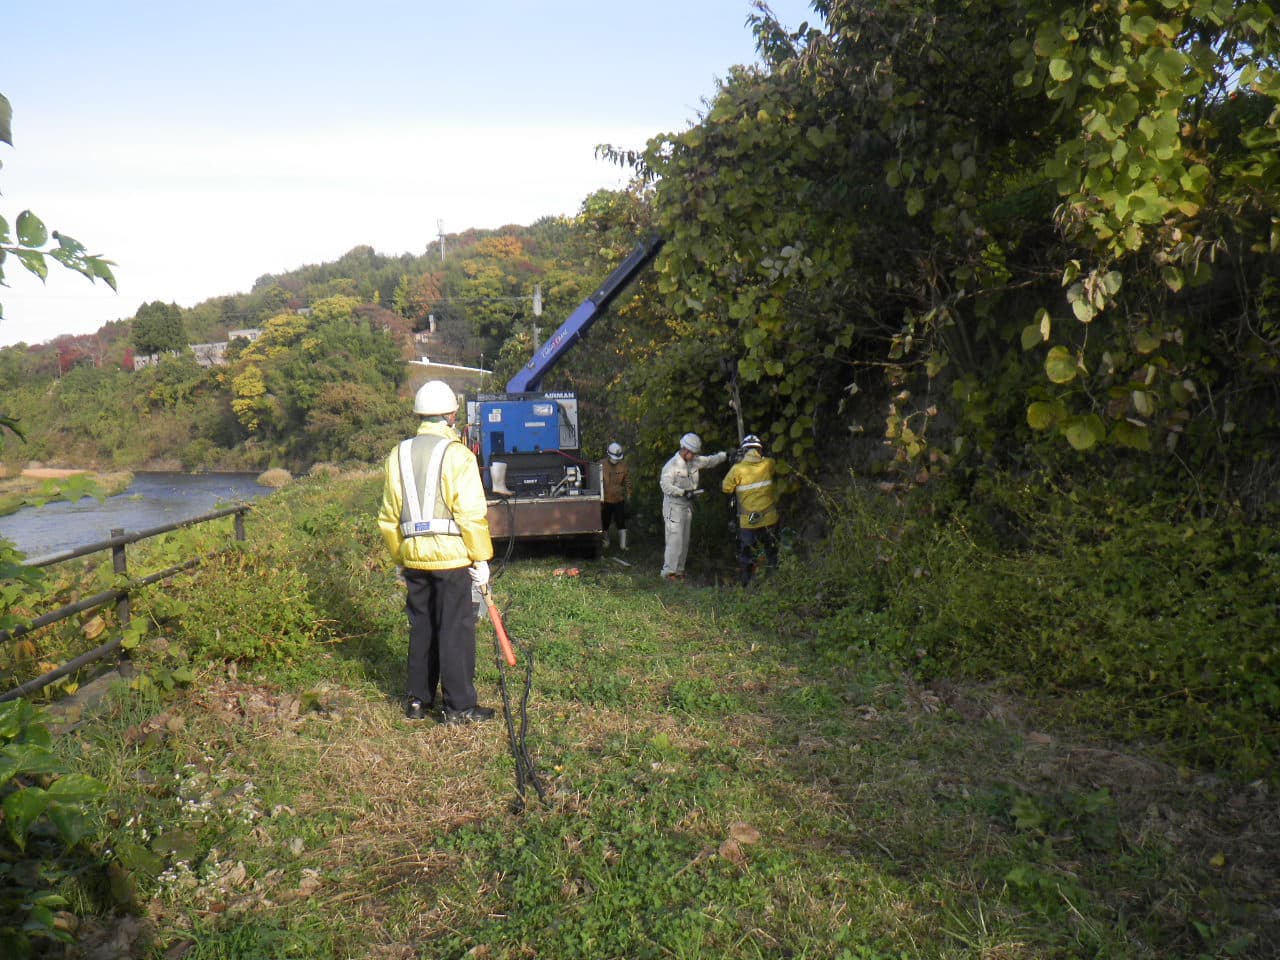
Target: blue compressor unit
{"points": [[518, 426]]}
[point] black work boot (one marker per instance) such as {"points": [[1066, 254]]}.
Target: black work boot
{"points": [[415, 709], [476, 714]]}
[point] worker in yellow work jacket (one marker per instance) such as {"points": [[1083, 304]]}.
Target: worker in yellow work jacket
{"points": [[751, 481], [434, 522]]}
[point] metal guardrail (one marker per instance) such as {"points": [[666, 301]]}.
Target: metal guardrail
{"points": [[116, 544]]}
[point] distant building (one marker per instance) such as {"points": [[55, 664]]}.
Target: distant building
{"points": [[461, 379], [210, 354], [206, 354]]}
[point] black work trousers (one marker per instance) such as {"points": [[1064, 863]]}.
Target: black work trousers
{"points": [[442, 636], [750, 542]]}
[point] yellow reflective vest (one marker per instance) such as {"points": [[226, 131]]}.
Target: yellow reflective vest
{"points": [[459, 498], [751, 479]]}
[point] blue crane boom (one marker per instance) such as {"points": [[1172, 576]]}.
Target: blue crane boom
{"points": [[590, 310], [538, 482]]}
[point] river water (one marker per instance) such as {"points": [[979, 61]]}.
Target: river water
{"points": [[152, 500]]}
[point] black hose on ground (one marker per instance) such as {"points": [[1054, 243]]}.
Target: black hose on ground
{"points": [[526, 770], [501, 565]]}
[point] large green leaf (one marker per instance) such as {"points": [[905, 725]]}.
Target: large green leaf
{"points": [[137, 858], [1086, 432], [70, 820], [31, 230], [11, 718], [1040, 415], [34, 261], [75, 788], [21, 808], [32, 757], [1080, 436], [1131, 435], [1060, 365]]}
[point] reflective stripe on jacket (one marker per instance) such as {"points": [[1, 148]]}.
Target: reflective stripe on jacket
{"points": [[751, 479], [423, 513], [460, 497]]}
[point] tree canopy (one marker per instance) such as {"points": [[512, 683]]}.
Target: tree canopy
{"points": [[158, 328], [1008, 232]]}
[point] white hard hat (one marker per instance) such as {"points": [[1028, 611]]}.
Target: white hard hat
{"points": [[615, 452], [752, 441], [691, 442], [435, 398]]}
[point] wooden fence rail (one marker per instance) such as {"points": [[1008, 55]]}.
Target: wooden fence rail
{"points": [[116, 544]]}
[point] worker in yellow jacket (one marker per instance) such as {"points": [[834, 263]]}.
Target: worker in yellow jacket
{"points": [[751, 481], [434, 522]]}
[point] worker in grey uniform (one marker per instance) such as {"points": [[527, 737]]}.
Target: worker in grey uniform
{"points": [[679, 483]]}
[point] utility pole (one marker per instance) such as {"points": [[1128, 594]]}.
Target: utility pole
{"points": [[440, 234], [537, 312]]}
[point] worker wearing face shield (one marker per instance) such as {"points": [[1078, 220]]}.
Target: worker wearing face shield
{"points": [[679, 484]]}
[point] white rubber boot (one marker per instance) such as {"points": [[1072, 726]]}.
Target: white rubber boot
{"points": [[622, 539], [498, 478]]}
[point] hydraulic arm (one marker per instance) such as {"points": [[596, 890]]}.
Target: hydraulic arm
{"points": [[529, 444], [590, 310]]}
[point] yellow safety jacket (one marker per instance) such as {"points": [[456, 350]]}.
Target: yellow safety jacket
{"points": [[751, 479], [449, 527]]}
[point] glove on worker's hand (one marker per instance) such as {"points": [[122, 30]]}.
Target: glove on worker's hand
{"points": [[479, 573]]}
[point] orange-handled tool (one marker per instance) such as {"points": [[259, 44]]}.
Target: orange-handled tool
{"points": [[499, 628]]}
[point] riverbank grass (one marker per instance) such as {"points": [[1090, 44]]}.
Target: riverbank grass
{"points": [[36, 486], [716, 788]]}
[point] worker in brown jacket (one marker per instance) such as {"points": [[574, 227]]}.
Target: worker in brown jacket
{"points": [[616, 475]]}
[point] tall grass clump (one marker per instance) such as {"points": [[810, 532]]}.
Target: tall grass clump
{"points": [[312, 575], [1138, 618], [275, 477]]}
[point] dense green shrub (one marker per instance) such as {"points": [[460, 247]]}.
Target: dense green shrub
{"points": [[1136, 617], [312, 571], [257, 609], [35, 791]]}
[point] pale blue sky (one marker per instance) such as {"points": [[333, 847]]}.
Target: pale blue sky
{"points": [[201, 146]]}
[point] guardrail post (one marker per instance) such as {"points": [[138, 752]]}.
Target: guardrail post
{"points": [[120, 567]]}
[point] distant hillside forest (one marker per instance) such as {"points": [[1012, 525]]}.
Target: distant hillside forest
{"points": [[324, 378]]}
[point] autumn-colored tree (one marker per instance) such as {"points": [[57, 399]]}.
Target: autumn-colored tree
{"points": [[416, 297], [356, 421]]}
